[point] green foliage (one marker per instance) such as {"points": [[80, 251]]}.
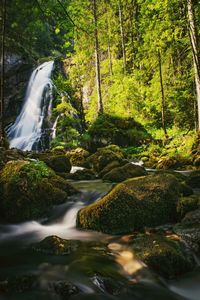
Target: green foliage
{"points": [[110, 129]]}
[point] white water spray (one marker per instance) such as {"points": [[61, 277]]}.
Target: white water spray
{"points": [[31, 125]]}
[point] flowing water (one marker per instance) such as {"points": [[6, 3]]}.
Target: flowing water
{"points": [[32, 128], [99, 272]]}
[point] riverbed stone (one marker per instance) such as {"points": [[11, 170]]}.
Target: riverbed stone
{"points": [[78, 157], [194, 180], [133, 205], [30, 189], [85, 174], [104, 156], [120, 174], [187, 204], [165, 256], [56, 246]]}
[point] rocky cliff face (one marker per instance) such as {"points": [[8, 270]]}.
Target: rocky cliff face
{"points": [[17, 73]]}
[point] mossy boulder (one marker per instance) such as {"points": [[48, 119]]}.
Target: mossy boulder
{"points": [[167, 257], [122, 173], [111, 166], [30, 189], [84, 174], [56, 246], [189, 230], [194, 180], [124, 132], [104, 156], [187, 204], [78, 157], [132, 205], [57, 161]]}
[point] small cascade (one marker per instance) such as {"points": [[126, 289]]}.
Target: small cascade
{"points": [[54, 128], [32, 128]]}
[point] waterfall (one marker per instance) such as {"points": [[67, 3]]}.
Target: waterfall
{"points": [[32, 128]]}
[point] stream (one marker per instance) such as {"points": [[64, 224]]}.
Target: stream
{"points": [[96, 273]]}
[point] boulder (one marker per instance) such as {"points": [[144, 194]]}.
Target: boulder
{"points": [[132, 205], [111, 166], [104, 156], [109, 129], [84, 174], [194, 180], [30, 189], [78, 157], [57, 161], [122, 173], [187, 204], [55, 245], [189, 230], [165, 256]]}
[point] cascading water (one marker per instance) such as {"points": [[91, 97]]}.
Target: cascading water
{"points": [[32, 129]]}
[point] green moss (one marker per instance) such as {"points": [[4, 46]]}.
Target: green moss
{"points": [[120, 174], [132, 205], [187, 204], [56, 246], [56, 161], [104, 156], [110, 129], [30, 189], [166, 257], [78, 157]]}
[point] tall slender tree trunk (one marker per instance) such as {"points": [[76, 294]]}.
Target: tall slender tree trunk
{"points": [[163, 106], [109, 49], [195, 51], [2, 76], [121, 22], [97, 59]]}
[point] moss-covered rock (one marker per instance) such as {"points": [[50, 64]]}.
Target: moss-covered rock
{"points": [[124, 132], [189, 230], [111, 166], [187, 204], [194, 180], [84, 174], [30, 189], [104, 156], [57, 161], [78, 157], [56, 246], [132, 205], [122, 173], [167, 257]]}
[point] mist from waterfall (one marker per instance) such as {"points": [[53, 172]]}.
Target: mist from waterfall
{"points": [[32, 129]]}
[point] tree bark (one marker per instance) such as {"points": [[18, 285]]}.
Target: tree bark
{"points": [[2, 77], [97, 60], [195, 51], [121, 22], [163, 104], [109, 49]]}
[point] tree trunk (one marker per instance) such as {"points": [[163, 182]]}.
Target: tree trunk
{"points": [[122, 35], [2, 70], [194, 44], [97, 60], [109, 50], [163, 106]]}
